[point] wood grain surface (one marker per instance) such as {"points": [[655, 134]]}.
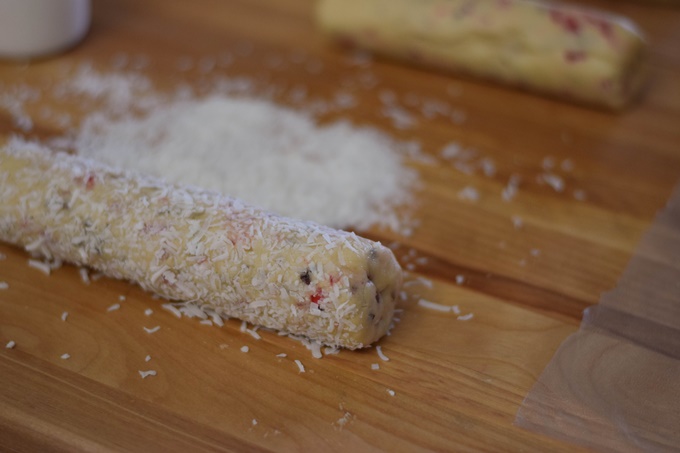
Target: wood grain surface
{"points": [[457, 384]]}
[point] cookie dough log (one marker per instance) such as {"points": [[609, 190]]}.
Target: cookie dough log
{"points": [[550, 48], [187, 244]]}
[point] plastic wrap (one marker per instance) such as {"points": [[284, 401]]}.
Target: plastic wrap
{"points": [[615, 384]]}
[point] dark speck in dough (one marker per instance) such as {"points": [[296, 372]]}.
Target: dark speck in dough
{"points": [[306, 277]]}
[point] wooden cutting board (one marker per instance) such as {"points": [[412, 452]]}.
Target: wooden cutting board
{"points": [[449, 384]]}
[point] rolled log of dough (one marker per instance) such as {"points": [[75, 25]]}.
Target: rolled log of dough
{"points": [[550, 48], [188, 244]]}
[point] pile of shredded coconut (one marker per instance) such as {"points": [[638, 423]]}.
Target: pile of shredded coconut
{"points": [[229, 135], [274, 157]]}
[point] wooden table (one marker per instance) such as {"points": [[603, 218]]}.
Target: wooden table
{"points": [[457, 384]]}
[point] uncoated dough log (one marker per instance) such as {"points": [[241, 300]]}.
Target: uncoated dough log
{"points": [[556, 49], [194, 245]]}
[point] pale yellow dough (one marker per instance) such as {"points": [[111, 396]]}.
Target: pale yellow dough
{"points": [[192, 245], [564, 51]]}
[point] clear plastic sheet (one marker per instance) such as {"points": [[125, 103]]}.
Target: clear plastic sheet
{"points": [[615, 384]]}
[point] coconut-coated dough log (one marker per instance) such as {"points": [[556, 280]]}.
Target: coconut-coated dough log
{"points": [[187, 244], [550, 48]]}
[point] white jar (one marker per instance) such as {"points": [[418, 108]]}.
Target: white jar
{"points": [[38, 28]]}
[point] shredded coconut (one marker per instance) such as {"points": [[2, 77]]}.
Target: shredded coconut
{"points": [[382, 356], [147, 358], [265, 154], [242, 144], [467, 317], [554, 181], [579, 194], [245, 349], [4, 285], [510, 190], [469, 193], [517, 222], [152, 330], [144, 374], [433, 305], [41, 266], [10, 344], [64, 316], [118, 90], [113, 307], [419, 281], [312, 345], [328, 350], [254, 334], [391, 392], [65, 356], [346, 418], [148, 312], [301, 367], [172, 309], [375, 366]]}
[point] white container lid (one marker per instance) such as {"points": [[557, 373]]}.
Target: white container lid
{"points": [[38, 28]]}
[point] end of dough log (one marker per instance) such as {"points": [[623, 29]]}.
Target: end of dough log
{"points": [[187, 244]]}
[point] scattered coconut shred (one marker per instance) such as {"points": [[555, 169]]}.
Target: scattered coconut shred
{"points": [[337, 174]]}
